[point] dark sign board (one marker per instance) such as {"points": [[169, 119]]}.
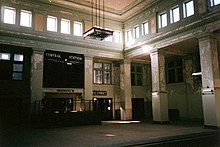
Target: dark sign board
{"points": [[101, 93], [63, 70]]}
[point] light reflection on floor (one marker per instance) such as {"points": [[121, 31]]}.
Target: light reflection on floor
{"points": [[119, 122]]}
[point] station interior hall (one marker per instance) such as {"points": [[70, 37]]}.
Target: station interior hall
{"points": [[76, 62]]}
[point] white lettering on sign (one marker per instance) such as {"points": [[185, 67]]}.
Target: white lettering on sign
{"points": [[75, 58], [53, 55]]}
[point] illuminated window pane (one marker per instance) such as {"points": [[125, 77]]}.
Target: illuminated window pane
{"points": [[109, 38], [129, 35], [97, 65], [17, 76], [145, 28], [4, 56], [117, 36], [188, 8], [102, 73], [174, 15], [214, 2], [162, 20], [98, 76], [65, 26], [9, 15], [77, 28], [26, 18], [18, 67], [52, 23], [18, 57], [136, 32]]}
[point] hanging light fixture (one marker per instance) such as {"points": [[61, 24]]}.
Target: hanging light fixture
{"points": [[98, 30]]}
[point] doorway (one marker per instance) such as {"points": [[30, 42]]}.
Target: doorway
{"points": [[138, 108], [104, 106]]}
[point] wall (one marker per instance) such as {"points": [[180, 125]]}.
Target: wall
{"points": [[186, 96]]}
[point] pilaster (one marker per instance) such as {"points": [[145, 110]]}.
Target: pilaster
{"points": [[36, 78], [159, 95], [209, 61], [88, 77], [125, 88]]}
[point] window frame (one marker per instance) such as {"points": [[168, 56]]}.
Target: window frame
{"points": [[14, 66], [128, 35], [136, 32], [55, 23], [175, 69], [103, 79], [172, 15], [29, 25], [74, 28], [62, 29], [117, 36], [5, 18], [213, 3], [145, 31], [136, 74], [160, 19], [185, 9]]}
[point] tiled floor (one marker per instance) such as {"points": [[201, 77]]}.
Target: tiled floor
{"points": [[107, 134]]}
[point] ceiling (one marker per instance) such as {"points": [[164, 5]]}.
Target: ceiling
{"points": [[118, 9]]}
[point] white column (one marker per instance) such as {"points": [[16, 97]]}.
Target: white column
{"points": [[36, 80], [209, 61], [88, 77], [159, 94], [125, 89]]}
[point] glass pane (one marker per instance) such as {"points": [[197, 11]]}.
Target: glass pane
{"points": [[145, 28], [175, 15], [128, 35], [26, 18], [98, 76], [4, 56], [179, 75], [18, 57], [189, 6], [107, 77], [179, 63], [139, 69], [139, 79], [107, 66], [65, 26], [132, 79], [51, 23], [171, 76], [117, 36], [132, 68], [109, 38], [97, 65], [9, 15], [163, 20], [216, 2], [17, 76], [171, 64], [18, 67], [77, 29], [136, 31]]}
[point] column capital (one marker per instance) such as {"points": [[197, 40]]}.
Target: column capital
{"points": [[88, 56], [125, 61], [206, 36], [38, 50]]}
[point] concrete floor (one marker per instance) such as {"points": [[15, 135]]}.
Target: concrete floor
{"points": [[107, 134]]}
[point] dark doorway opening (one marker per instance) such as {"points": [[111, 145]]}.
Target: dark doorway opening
{"points": [[138, 109], [104, 106]]}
